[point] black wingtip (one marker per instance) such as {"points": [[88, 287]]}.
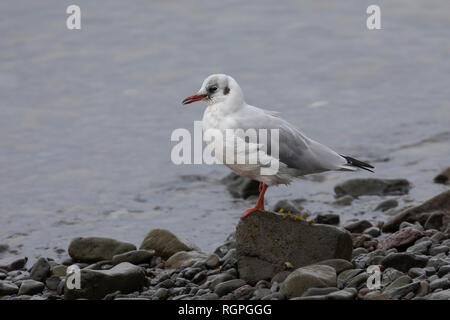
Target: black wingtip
{"points": [[359, 164]]}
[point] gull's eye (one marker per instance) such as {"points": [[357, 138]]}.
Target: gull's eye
{"points": [[212, 89]]}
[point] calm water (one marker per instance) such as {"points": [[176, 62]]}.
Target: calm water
{"points": [[86, 116]]}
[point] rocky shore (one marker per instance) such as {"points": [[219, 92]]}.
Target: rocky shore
{"points": [[286, 253]]}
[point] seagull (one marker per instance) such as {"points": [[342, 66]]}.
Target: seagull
{"points": [[298, 155]]}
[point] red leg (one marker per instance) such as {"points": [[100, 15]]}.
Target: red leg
{"points": [[259, 203]]}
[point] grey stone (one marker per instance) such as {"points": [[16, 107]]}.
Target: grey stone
{"points": [[371, 186], [228, 286], [424, 288], [437, 262], [420, 213], [40, 270], [261, 292], [345, 276], [7, 288], [92, 249], [443, 270], [168, 283], [438, 249], [338, 264], [443, 177], [185, 259], [345, 294], [219, 279], [387, 204], [358, 226], [319, 291], [165, 243], [420, 248], [416, 272], [95, 284], [301, 279], [30, 287], [53, 282], [273, 296], [12, 263], [329, 218], [443, 283], [281, 276], [212, 261], [416, 226], [373, 231], [291, 207], [399, 292], [134, 257], [400, 239], [199, 277], [359, 251], [209, 296], [359, 281], [162, 293], [266, 241], [59, 270], [399, 282], [345, 200], [441, 295], [404, 261], [435, 220]]}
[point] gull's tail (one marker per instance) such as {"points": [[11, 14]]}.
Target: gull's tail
{"points": [[358, 164]]}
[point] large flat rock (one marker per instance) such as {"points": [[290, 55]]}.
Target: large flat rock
{"points": [[95, 284], [92, 249], [438, 204], [266, 241]]}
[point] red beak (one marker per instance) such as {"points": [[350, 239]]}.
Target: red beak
{"points": [[194, 98]]}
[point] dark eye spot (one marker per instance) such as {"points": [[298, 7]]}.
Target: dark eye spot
{"points": [[212, 89], [226, 91]]}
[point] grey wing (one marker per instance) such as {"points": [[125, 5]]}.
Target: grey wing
{"points": [[295, 149], [299, 152]]}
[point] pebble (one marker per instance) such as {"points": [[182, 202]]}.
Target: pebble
{"points": [[439, 249], [373, 231], [134, 257], [52, 282], [228, 286], [199, 277], [13, 264], [416, 226], [30, 287], [420, 248], [59, 271], [404, 261], [443, 270], [416, 272], [209, 296], [7, 288], [329, 218], [441, 295], [359, 251], [386, 205], [399, 292], [358, 226], [212, 261], [443, 283], [344, 200], [345, 294], [346, 276], [319, 291], [358, 281], [424, 288]]}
